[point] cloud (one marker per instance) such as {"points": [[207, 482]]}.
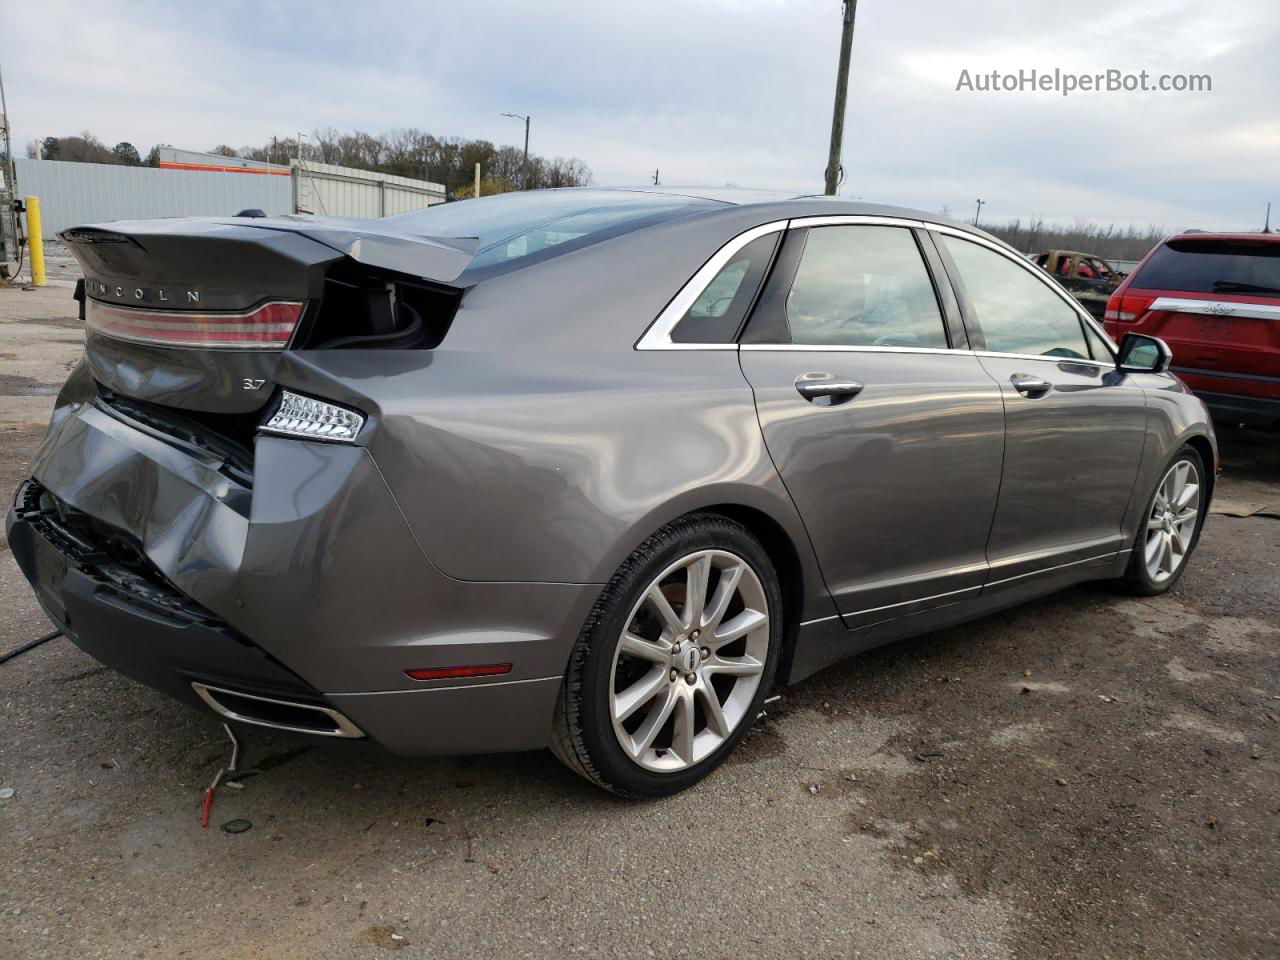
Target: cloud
{"points": [[710, 92]]}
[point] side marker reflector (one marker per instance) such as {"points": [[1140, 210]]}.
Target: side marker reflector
{"points": [[452, 673]]}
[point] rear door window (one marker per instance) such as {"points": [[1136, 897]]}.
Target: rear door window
{"points": [[1100, 268], [1213, 266], [1018, 312], [863, 286]]}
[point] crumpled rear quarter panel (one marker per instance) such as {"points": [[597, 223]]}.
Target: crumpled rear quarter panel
{"points": [[321, 571]]}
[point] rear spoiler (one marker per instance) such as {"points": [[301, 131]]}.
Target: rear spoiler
{"points": [[438, 259]]}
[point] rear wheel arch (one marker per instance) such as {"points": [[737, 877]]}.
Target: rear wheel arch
{"points": [[798, 580], [786, 561]]}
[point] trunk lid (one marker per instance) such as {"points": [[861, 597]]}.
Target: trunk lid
{"points": [[194, 314]]}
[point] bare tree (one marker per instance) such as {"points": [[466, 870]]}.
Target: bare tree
{"points": [[405, 152], [1109, 241]]}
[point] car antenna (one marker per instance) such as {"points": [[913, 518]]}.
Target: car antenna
{"points": [[1266, 227]]}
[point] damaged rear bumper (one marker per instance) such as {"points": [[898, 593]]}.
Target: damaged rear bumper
{"points": [[307, 588]]}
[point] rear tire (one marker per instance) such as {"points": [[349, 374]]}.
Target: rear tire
{"points": [[1170, 526], [674, 661]]}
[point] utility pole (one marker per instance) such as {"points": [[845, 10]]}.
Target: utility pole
{"points": [[978, 212], [842, 94], [9, 176], [9, 248], [524, 167]]}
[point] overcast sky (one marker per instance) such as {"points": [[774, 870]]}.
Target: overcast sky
{"points": [[709, 91]]}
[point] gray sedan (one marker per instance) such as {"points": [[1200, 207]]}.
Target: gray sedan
{"points": [[588, 469]]}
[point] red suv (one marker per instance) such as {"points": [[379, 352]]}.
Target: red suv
{"points": [[1214, 298]]}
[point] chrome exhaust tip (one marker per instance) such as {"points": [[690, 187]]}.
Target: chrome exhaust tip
{"points": [[276, 714]]}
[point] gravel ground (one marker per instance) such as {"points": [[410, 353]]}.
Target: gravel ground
{"points": [[1087, 776]]}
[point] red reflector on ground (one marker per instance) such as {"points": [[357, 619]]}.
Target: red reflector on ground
{"points": [[264, 328], [448, 673]]}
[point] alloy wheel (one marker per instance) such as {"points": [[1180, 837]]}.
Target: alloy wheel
{"points": [[682, 682], [1172, 522]]}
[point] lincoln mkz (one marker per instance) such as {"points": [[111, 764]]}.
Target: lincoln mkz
{"points": [[588, 469]]}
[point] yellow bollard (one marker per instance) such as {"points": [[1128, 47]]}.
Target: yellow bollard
{"points": [[35, 240]]}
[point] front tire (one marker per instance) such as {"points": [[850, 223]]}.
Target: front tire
{"points": [[1170, 527], [674, 661]]}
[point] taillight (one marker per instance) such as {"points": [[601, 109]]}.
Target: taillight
{"points": [[266, 327], [312, 419], [1126, 308]]}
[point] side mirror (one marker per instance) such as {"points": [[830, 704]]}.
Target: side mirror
{"points": [[1142, 354]]}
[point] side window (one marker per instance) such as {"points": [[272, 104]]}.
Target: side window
{"points": [[1099, 267], [1017, 312], [717, 313], [863, 286]]}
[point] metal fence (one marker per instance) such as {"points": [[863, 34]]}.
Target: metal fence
{"points": [[324, 189], [77, 193]]}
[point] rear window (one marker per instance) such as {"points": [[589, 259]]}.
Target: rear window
{"points": [[518, 229], [1212, 266]]}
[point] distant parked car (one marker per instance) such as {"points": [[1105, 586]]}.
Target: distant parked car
{"points": [[587, 469], [1215, 299], [1089, 279]]}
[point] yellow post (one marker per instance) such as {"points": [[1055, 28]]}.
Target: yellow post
{"points": [[35, 240]]}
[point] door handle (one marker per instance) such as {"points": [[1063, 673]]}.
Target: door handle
{"points": [[1030, 386], [816, 387]]}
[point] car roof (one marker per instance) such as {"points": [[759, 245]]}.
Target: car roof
{"points": [[738, 196], [783, 205], [1271, 237]]}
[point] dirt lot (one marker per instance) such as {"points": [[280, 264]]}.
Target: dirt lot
{"points": [[1089, 776]]}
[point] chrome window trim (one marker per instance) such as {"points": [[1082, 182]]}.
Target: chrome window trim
{"points": [[846, 348], [854, 220], [1040, 276], [1100, 364], [949, 351], [658, 335], [1226, 309]]}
